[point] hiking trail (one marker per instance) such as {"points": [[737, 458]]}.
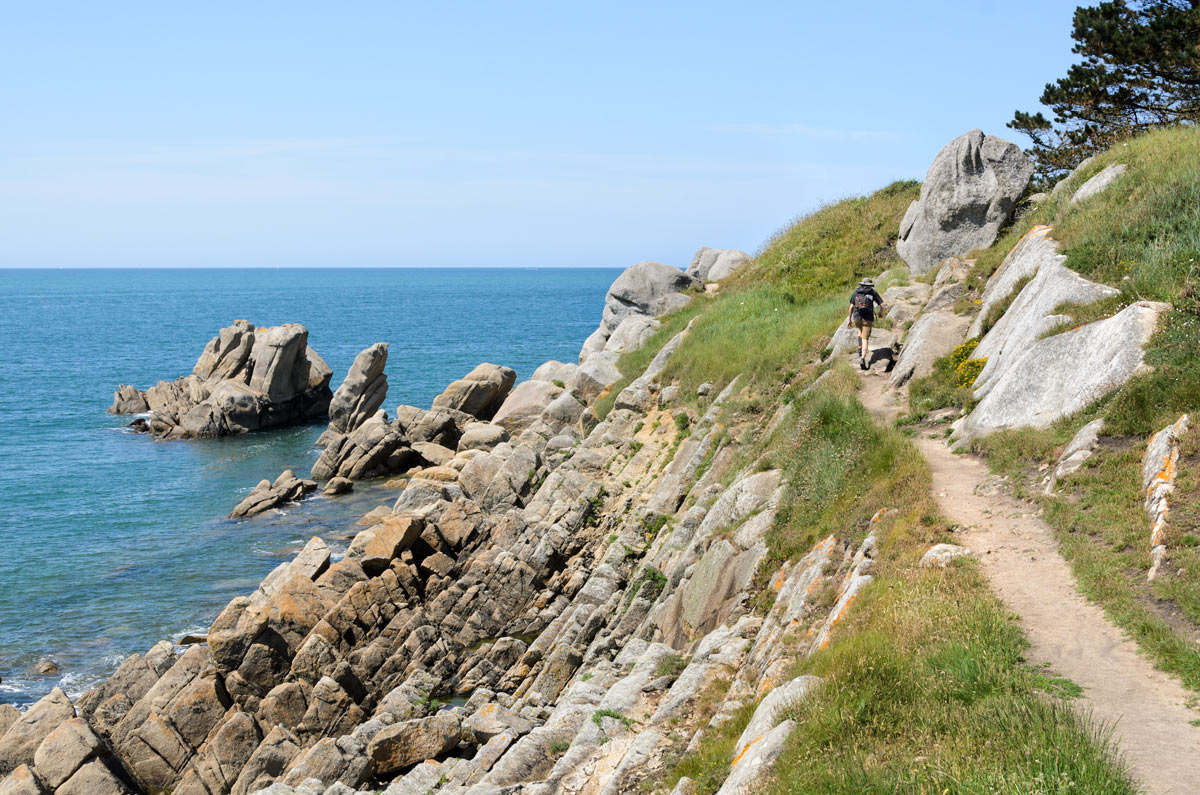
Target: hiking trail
{"points": [[1145, 708]]}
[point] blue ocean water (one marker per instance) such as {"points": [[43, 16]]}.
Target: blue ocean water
{"points": [[113, 541]]}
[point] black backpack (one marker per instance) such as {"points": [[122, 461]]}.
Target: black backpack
{"points": [[864, 303]]}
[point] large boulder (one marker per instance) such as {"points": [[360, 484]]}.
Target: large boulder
{"points": [[714, 264], [405, 744], [245, 379], [648, 289], [969, 192], [480, 392]]}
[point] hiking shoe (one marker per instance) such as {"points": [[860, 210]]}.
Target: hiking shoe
{"points": [[862, 363]]}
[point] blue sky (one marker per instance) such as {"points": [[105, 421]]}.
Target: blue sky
{"points": [[480, 134]]}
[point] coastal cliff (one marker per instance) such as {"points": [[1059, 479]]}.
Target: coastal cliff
{"points": [[688, 562]]}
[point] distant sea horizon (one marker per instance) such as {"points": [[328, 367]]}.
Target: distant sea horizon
{"points": [[115, 541]]}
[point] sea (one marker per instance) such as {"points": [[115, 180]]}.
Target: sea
{"points": [[113, 541]]}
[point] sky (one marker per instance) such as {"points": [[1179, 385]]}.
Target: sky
{"points": [[389, 134]]}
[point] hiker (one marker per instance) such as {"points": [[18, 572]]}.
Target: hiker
{"points": [[862, 316]]}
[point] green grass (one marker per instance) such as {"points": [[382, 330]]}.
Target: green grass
{"points": [[759, 334], [835, 246], [925, 688]]}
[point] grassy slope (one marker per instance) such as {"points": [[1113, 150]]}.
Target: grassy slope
{"points": [[929, 665], [1142, 236]]}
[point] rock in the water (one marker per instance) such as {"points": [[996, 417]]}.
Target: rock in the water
{"points": [[363, 391], [941, 554], [338, 486], [969, 192], [714, 264], [1099, 182], [373, 449], [245, 380], [128, 400], [480, 392], [267, 495]]}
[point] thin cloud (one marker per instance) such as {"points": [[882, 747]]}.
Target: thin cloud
{"points": [[804, 130]]}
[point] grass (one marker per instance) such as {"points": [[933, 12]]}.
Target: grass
{"points": [[835, 246]]}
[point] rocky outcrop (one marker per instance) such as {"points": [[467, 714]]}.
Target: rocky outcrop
{"points": [[1062, 374], [715, 264], [969, 193], [267, 496], [1034, 250], [1081, 447], [646, 290], [246, 379]]}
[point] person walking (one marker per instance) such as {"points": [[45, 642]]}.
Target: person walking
{"points": [[862, 316]]}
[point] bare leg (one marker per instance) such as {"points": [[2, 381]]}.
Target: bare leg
{"points": [[865, 338]]}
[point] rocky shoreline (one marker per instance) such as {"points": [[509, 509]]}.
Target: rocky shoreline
{"points": [[554, 594]]}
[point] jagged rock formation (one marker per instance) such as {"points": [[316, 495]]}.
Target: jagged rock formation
{"points": [[969, 192], [715, 264], [548, 575], [361, 393], [267, 496], [358, 446], [246, 379]]}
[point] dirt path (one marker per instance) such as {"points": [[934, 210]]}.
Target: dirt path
{"points": [[1144, 706]]}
